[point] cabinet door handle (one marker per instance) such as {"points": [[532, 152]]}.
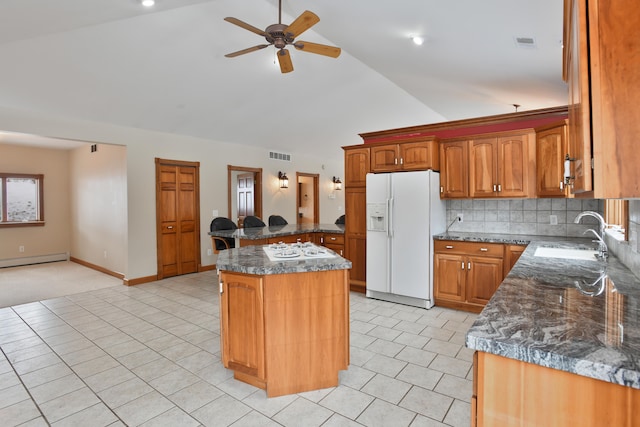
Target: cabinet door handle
{"points": [[494, 188], [449, 247], [484, 249], [499, 188], [401, 161], [322, 239], [395, 161], [170, 227], [221, 288], [441, 189], [463, 265], [468, 266], [561, 185], [333, 238]]}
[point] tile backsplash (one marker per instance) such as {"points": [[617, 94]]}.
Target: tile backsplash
{"points": [[544, 217], [629, 251]]}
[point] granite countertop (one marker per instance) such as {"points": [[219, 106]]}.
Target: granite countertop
{"points": [[254, 260], [257, 233], [578, 316]]}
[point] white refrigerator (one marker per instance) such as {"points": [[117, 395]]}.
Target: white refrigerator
{"points": [[404, 211]]}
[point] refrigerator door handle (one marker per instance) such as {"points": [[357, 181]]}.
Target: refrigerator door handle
{"points": [[390, 217]]}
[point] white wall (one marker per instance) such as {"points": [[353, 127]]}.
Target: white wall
{"points": [[98, 218], [142, 147]]}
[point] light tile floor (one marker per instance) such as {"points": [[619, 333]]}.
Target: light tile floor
{"points": [[150, 355]]}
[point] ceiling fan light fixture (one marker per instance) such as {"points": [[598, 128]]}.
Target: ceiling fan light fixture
{"points": [[148, 3], [417, 40]]}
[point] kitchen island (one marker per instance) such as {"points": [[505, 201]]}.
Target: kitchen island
{"points": [[284, 317], [558, 344], [289, 233]]}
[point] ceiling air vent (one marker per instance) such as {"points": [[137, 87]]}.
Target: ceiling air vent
{"points": [[525, 42], [279, 156]]}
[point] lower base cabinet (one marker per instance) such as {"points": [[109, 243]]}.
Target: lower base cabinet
{"points": [[466, 274], [285, 333], [509, 392]]}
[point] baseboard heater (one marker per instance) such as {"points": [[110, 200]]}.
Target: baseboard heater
{"points": [[16, 262]]}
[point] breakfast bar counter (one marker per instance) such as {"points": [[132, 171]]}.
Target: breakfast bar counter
{"points": [[559, 342], [284, 313]]}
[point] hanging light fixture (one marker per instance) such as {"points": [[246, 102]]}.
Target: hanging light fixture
{"points": [[337, 184], [284, 180], [148, 3]]}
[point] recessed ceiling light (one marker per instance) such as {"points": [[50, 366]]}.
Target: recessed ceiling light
{"points": [[418, 40], [148, 3]]}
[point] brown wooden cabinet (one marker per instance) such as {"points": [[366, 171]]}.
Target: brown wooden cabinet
{"points": [[357, 165], [416, 155], [454, 167], [512, 254], [488, 166], [466, 274], [242, 324], [499, 166], [551, 147], [333, 241], [285, 333], [602, 69]]}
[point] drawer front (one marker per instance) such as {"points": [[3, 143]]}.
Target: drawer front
{"points": [[469, 248], [334, 239]]}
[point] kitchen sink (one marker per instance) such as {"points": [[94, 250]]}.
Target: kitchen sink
{"points": [[567, 253]]}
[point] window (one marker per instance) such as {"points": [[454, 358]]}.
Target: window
{"points": [[616, 214], [21, 202]]}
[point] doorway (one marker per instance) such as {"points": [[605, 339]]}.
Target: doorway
{"points": [[244, 193], [177, 217], [308, 200]]}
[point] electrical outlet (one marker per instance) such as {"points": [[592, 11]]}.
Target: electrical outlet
{"points": [[209, 252], [460, 217], [215, 213], [21, 248], [553, 219]]}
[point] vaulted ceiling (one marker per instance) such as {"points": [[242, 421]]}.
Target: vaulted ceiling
{"points": [[163, 68]]}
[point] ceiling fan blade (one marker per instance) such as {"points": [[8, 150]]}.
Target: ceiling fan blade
{"points": [[285, 61], [243, 51], [246, 26], [302, 23], [320, 49]]}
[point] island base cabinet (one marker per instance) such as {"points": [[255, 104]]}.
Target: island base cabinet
{"points": [[300, 329], [508, 392]]}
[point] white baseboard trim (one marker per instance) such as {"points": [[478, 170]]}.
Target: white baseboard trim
{"points": [[15, 262]]}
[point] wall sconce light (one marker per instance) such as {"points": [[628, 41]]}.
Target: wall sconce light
{"points": [[337, 184], [284, 180]]}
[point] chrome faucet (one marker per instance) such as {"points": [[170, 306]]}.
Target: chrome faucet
{"points": [[603, 251]]}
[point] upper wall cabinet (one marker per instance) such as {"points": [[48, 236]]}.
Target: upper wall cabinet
{"points": [[499, 165], [417, 155], [356, 166], [551, 147], [454, 167], [602, 69]]}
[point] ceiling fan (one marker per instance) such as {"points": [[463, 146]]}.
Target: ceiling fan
{"points": [[280, 35]]}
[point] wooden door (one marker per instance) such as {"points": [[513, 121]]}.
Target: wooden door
{"points": [[177, 217], [245, 194], [513, 166], [484, 275], [356, 166], [483, 167], [356, 236], [550, 152], [449, 277], [454, 182], [242, 324]]}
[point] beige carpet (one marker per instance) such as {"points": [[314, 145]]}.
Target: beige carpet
{"points": [[30, 283]]}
